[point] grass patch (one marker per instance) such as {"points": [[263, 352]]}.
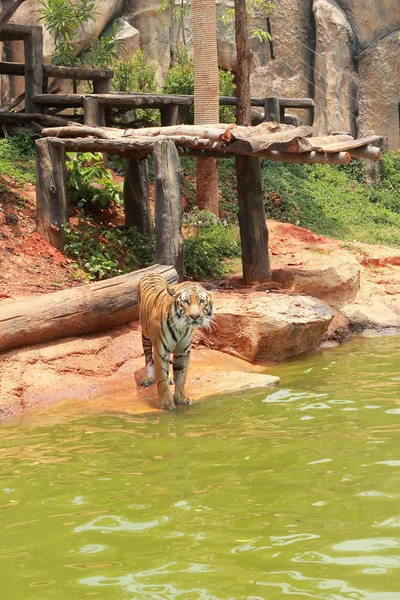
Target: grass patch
{"points": [[17, 157]]}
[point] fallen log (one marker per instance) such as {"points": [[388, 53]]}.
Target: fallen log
{"points": [[350, 145], [257, 140], [76, 311], [76, 130]]}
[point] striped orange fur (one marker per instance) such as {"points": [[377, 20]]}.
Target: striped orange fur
{"points": [[168, 317]]}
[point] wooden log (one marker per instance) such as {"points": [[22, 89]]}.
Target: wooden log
{"points": [[76, 311], [33, 49], [101, 86], [76, 130], [93, 112], [169, 115], [253, 228], [288, 140], [138, 147], [81, 73], [136, 195], [367, 152], [14, 31], [321, 141], [65, 100], [51, 195], [47, 120], [347, 146], [211, 133], [145, 100], [335, 158], [168, 209], [272, 109]]}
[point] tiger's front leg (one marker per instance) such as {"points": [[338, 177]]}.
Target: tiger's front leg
{"points": [[161, 368], [180, 367]]}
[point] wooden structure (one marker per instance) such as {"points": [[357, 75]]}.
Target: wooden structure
{"points": [[76, 311], [268, 140]]}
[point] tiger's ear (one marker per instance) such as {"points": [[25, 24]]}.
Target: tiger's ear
{"points": [[171, 291]]}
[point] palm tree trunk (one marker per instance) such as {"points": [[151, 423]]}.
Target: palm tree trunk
{"points": [[206, 95]]}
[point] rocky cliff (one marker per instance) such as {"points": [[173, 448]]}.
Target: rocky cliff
{"points": [[343, 53]]}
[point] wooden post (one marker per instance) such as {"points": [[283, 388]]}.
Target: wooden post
{"points": [[136, 195], [33, 48], [253, 228], [272, 110], [169, 115], [51, 194], [93, 112], [168, 206], [101, 86]]}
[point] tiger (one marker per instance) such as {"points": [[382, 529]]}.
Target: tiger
{"points": [[168, 315]]}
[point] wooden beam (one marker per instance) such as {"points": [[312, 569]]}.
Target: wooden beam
{"points": [[14, 68], [14, 31], [76, 311], [350, 145], [51, 194], [94, 114], [46, 120], [272, 109], [367, 152], [168, 206], [136, 195], [33, 48]]}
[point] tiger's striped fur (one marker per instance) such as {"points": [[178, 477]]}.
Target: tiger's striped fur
{"points": [[168, 316]]}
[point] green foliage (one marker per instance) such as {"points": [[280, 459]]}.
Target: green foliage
{"points": [[109, 252], [64, 19], [17, 157], [330, 200], [136, 75], [90, 182], [213, 242], [180, 80]]}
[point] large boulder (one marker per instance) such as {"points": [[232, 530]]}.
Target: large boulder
{"points": [[371, 19], [335, 89], [334, 278], [129, 37], [270, 326], [379, 71]]}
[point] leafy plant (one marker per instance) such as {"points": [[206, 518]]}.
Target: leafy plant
{"points": [[90, 182], [207, 248], [64, 19], [136, 75], [104, 253]]}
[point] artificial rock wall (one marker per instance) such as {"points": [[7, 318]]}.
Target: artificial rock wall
{"points": [[343, 53]]}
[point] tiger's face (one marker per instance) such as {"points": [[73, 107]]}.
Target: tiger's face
{"points": [[193, 306]]}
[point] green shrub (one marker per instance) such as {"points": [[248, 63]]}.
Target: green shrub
{"points": [[210, 245], [90, 182], [108, 252], [17, 157], [136, 75]]}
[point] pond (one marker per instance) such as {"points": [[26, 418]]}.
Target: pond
{"points": [[292, 491]]}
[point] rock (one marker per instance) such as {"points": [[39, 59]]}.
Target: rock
{"points": [[266, 325], [335, 90], [368, 310], [339, 329], [105, 370], [153, 25], [333, 278], [371, 19], [129, 38], [379, 71]]}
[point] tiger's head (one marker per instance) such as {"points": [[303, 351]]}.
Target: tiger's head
{"points": [[193, 305]]}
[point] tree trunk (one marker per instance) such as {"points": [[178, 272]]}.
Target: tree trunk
{"points": [[206, 94], [85, 309], [253, 228]]}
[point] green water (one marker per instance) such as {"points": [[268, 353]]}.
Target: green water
{"points": [[293, 491]]}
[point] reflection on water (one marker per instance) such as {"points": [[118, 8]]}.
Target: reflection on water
{"points": [[293, 491]]}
